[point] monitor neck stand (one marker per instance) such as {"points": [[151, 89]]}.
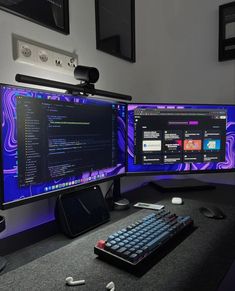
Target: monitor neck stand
{"points": [[119, 202], [173, 185]]}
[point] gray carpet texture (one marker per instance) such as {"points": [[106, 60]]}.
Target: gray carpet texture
{"points": [[199, 262]]}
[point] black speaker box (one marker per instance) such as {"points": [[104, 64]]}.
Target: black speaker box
{"points": [[81, 211]]}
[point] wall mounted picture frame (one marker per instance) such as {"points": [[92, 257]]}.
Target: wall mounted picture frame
{"points": [[227, 31], [115, 28], [53, 14]]}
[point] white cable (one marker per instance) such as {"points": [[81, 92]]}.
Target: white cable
{"points": [[110, 286]]}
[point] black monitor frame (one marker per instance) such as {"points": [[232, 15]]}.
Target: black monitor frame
{"points": [[162, 173], [38, 19], [226, 45], [5, 206], [54, 193]]}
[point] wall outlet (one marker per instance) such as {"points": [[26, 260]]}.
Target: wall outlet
{"points": [[40, 55], [25, 51], [43, 56]]}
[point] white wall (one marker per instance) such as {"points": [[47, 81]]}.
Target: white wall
{"points": [[176, 43]]}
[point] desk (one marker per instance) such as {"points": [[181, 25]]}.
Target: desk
{"points": [[198, 263]]}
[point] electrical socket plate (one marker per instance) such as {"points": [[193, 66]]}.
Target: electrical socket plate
{"points": [[40, 55]]}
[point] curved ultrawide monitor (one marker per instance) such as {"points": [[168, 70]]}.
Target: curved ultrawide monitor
{"points": [[52, 143], [180, 138]]}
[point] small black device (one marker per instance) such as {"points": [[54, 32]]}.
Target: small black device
{"points": [[81, 211], [212, 212], [133, 245], [86, 74]]}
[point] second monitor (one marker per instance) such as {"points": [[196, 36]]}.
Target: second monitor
{"points": [[180, 138]]}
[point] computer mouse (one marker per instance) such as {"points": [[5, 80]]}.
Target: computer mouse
{"points": [[212, 212]]}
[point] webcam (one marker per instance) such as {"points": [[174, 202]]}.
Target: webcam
{"points": [[88, 75]]}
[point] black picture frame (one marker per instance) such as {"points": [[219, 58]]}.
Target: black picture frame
{"points": [[112, 43], [51, 14], [227, 32]]}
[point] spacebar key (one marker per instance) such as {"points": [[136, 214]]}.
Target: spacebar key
{"points": [[155, 242]]}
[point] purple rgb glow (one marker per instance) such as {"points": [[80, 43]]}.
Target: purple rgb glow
{"points": [[193, 123], [11, 190], [228, 164]]}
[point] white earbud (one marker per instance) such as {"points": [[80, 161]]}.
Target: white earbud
{"points": [[110, 286], [69, 281]]}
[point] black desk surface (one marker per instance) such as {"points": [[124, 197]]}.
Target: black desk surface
{"points": [[198, 263]]}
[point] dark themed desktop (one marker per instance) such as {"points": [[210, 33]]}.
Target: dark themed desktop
{"points": [[53, 141], [180, 138]]}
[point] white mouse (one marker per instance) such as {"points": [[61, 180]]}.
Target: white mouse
{"points": [[177, 200]]}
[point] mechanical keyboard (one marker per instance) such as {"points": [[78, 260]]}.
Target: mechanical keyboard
{"points": [[132, 245]]}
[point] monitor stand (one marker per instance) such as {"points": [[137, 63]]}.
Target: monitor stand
{"points": [[119, 203], [3, 263], [171, 185]]}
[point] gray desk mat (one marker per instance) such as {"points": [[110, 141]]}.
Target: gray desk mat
{"points": [[197, 263]]}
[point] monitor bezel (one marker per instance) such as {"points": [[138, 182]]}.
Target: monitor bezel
{"points": [[54, 193], [166, 173]]}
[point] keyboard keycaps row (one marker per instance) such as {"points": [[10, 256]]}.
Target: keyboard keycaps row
{"points": [[139, 239]]}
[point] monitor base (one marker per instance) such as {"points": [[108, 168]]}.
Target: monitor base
{"points": [[172, 185], [3, 263]]}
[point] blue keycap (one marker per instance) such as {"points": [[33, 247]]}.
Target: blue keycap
{"points": [[133, 257], [155, 242]]}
